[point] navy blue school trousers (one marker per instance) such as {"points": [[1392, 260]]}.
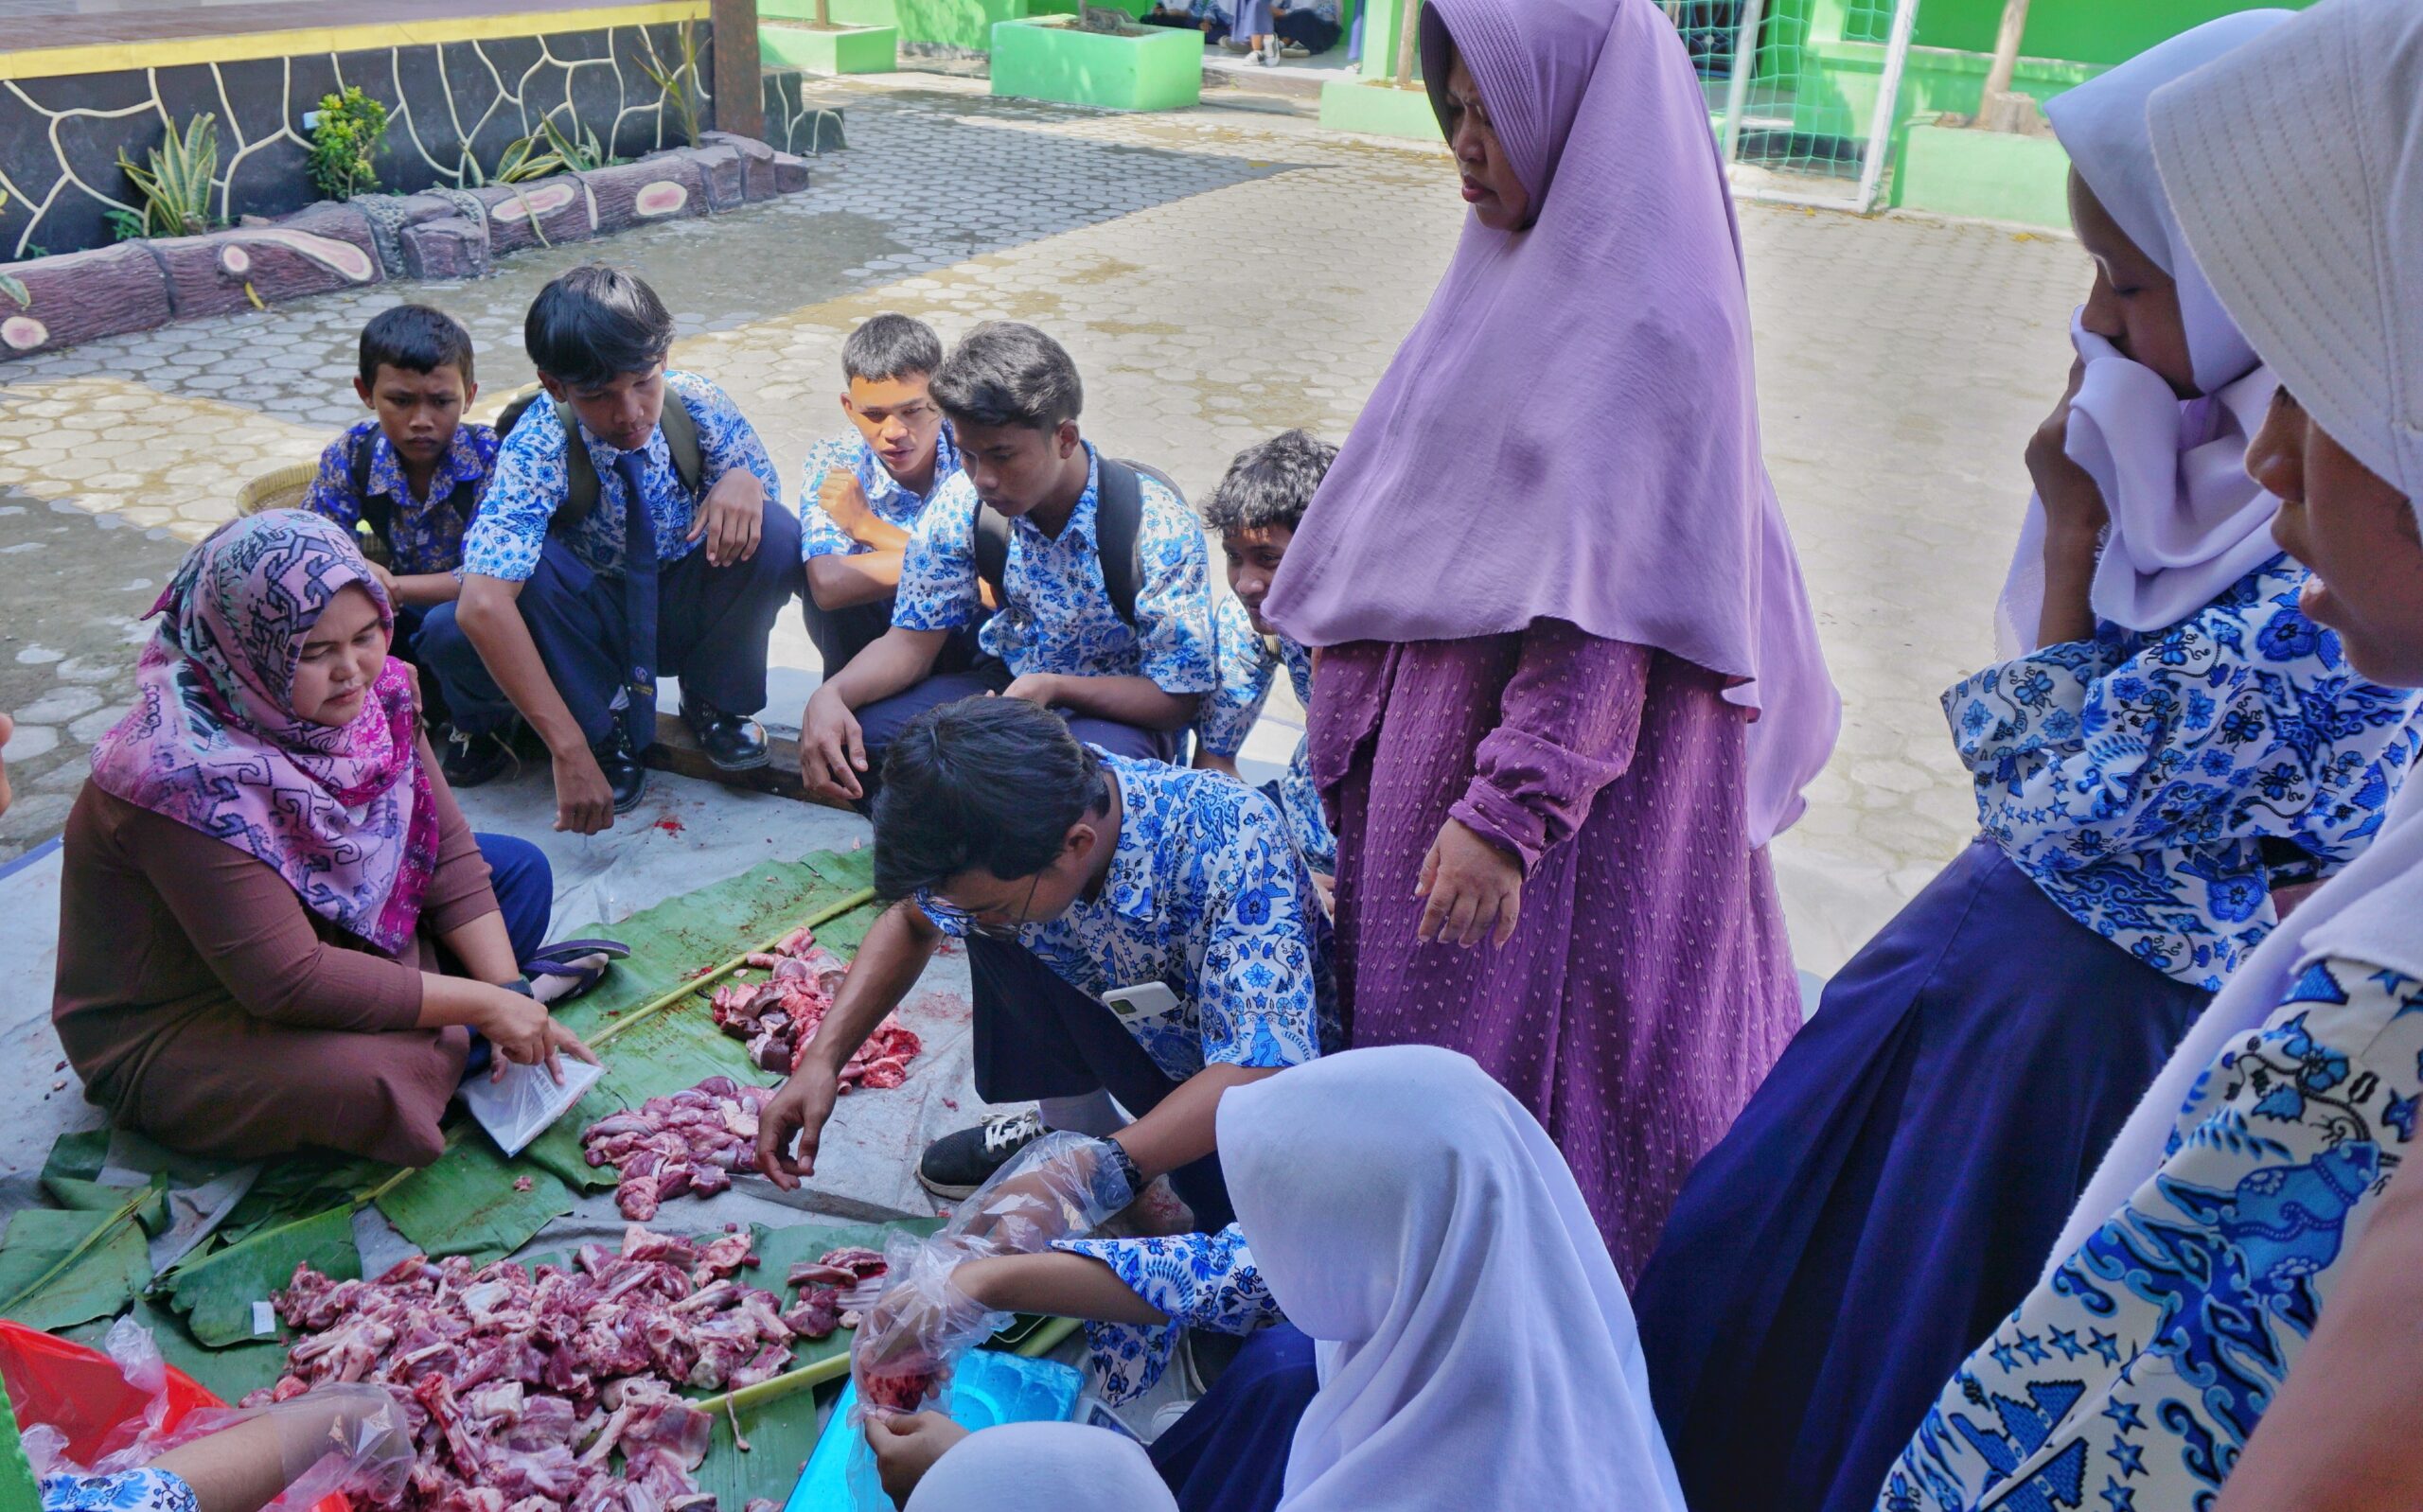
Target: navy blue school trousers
{"points": [[712, 626], [882, 722]]}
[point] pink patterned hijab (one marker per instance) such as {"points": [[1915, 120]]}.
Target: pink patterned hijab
{"points": [[213, 742], [1571, 431]]}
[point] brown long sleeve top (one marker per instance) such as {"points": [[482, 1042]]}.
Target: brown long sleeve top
{"points": [[158, 921]]}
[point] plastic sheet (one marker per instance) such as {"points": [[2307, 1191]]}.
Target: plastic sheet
{"points": [[522, 1104]]}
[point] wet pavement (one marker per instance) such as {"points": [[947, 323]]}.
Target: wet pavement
{"points": [[1219, 273]]}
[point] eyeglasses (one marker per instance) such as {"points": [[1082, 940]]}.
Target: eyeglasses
{"points": [[956, 918]]}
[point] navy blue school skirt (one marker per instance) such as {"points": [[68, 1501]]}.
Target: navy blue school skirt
{"points": [[1890, 1192], [1229, 1453]]}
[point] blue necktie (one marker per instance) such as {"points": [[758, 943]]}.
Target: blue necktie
{"points": [[639, 605]]}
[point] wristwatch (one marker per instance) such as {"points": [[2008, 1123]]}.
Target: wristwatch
{"points": [[1115, 1154]]}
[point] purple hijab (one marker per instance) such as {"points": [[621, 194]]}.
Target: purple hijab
{"points": [[345, 814], [1571, 429]]}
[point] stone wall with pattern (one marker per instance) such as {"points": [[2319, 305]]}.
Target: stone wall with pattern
{"points": [[453, 108]]}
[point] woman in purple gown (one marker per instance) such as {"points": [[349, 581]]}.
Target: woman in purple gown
{"points": [[1570, 684]]}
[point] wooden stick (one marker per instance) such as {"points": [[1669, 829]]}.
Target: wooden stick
{"points": [[1046, 1339], [698, 984]]}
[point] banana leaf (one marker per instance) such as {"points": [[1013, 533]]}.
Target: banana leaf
{"points": [[59, 1268], [217, 1290], [466, 1202], [79, 1156], [93, 1197], [296, 1187]]}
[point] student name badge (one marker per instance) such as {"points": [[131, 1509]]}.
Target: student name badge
{"points": [[1146, 1007]]}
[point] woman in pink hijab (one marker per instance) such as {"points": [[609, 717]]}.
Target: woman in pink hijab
{"points": [[1569, 683]]}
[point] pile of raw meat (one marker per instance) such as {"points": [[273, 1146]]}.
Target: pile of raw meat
{"points": [[520, 1382], [777, 1017], [686, 1142]]}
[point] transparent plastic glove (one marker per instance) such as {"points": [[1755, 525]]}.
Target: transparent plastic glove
{"points": [[1063, 1185], [918, 1328], [353, 1439]]}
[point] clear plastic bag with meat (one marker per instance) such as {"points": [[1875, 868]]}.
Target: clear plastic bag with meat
{"points": [[1063, 1185], [909, 1344], [350, 1439]]}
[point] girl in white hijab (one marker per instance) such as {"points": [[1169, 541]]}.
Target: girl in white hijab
{"points": [[2184, 1290], [1475, 1345]]}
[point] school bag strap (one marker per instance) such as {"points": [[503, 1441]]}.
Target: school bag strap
{"points": [[580, 472], [379, 512], [1119, 521]]}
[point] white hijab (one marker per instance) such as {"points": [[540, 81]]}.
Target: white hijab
{"points": [[2186, 521], [1475, 1344], [1043, 1468], [2296, 170]]}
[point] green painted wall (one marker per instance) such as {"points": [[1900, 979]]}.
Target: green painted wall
{"points": [[2087, 31], [967, 24]]}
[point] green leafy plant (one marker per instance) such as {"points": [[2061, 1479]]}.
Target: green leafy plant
{"points": [[549, 151], [345, 137], [175, 183], [679, 86]]}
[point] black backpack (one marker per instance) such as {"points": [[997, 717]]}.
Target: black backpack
{"points": [[1119, 517], [580, 473]]}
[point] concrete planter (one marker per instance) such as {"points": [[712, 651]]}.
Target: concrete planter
{"points": [[1992, 175], [841, 50], [948, 25], [1160, 69], [1378, 107]]}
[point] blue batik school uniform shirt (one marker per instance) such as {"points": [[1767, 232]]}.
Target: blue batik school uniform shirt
{"points": [[1056, 615], [1207, 896], [2134, 776], [887, 497], [421, 536], [511, 531], [1248, 662], [1195, 1280]]}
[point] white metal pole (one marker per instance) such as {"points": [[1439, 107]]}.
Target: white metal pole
{"points": [[1888, 98], [1745, 63]]}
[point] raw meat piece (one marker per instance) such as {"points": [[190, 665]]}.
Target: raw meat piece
{"points": [[816, 1313], [903, 1392], [521, 1384]]}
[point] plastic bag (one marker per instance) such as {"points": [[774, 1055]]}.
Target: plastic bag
{"points": [[902, 1358], [349, 1439], [518, 1107], [1060, 1186]]}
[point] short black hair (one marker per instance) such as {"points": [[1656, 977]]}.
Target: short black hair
{"points": [[416, 337], [890, 345], [989, 783], [1270, 482], [1003, 373], [594, 321]]}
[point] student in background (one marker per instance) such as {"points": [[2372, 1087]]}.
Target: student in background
{"points": [[412, 473], [860, 494], [1255, 511], [1106, 607], [573, 599]]}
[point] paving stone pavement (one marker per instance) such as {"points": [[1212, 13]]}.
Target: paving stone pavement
{"points": [[1218, 273]]}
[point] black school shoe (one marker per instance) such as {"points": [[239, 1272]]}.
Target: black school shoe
{"points": [[469, 760], [733, 742], [957, 1163], [623, 773]]}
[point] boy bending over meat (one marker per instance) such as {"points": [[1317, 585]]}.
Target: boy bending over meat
{"points": [[1079, 880]]}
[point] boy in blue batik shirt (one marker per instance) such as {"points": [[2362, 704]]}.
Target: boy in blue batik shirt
{"points": [[1135, 931], [860, 494], [412, 473], [573, 600], [1256, 510], [1099, 567]]}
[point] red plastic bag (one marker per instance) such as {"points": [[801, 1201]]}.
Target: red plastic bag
{"points": [[83, 1394]]}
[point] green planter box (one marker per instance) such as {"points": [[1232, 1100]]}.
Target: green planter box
{"points": [[1160, 70], [1993, 175], [964, 25], [1376, 109], [850, 50]]}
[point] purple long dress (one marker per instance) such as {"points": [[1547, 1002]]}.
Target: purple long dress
{"points": [[1649, 985]]}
